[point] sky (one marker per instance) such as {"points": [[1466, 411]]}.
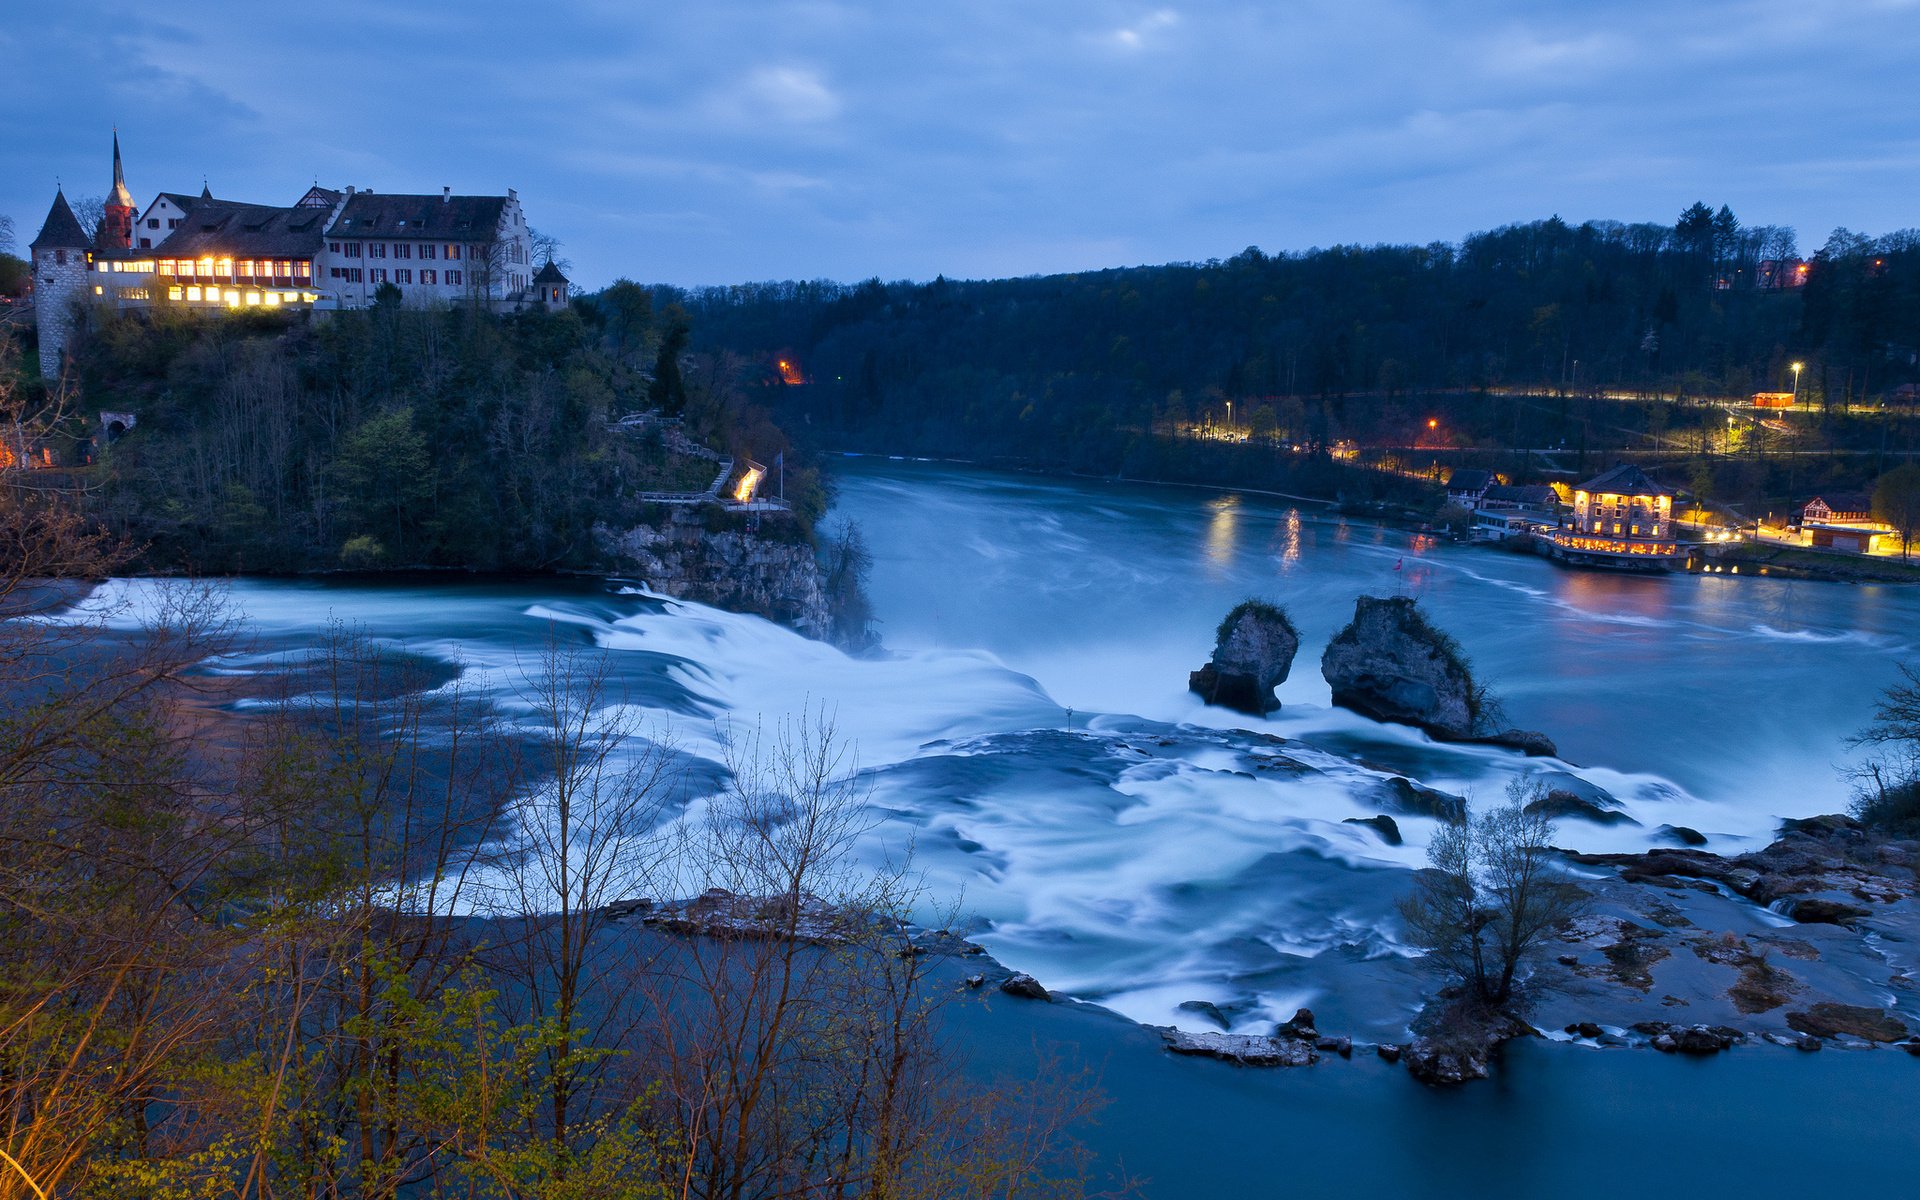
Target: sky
{"points": [[724, 141]]}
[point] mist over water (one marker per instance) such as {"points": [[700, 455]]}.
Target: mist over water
{"points": [[1029, 732]]}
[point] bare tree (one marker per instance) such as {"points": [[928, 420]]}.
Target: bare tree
{"points": [[1491, 894]]}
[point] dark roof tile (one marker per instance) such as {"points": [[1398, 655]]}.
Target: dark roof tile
{"points": [[61, 230], [449, 218]]}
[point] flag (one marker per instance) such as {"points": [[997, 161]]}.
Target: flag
{"points": [[1397, 562]]}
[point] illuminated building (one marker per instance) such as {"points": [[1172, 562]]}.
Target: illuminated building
{"points": [[1622, 520], [329, 249], [1843, 522]]}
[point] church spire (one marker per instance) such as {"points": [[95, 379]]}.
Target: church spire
{"points": [[116, 217]]}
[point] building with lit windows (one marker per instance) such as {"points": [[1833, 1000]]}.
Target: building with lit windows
{"points": [[1621, 520], [328, 250]]}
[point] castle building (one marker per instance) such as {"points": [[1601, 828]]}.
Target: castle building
{"points": [[328, 250]]}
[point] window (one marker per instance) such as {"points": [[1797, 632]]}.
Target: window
{"points": [[402, 250], [352, 250], [146, 243], [454, 279], [246, 269], [173, 293], [376, 249], [402, 275], [353, 274], [453, 252], [60, 257], [333, 247], [426, 276], [303, 269], [336, 273], [193, 293], [427, 249], [175, 222], [153, 222]]}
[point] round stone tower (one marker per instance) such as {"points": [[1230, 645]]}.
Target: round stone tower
{"points": [[59, 280]]}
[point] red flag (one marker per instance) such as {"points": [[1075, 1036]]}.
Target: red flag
{"points": [[1397, 562]]}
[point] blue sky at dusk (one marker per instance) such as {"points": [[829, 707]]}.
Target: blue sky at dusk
{"points": [[725, 140]]}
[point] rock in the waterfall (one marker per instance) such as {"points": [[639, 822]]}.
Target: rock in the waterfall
{"points": [[1814, 911], [1206, 1009], [1024, 986], [1565, 805], [1827, 1020], [1245, 1049], [1252, 654], [1684, 834], [1530, 742], [1299, 1026], [1385, 826], [1391, 664], [1409, 799]]}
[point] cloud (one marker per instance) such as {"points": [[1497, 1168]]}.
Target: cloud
{"points": [[755, 139], [1136, 36], [793, 94]]}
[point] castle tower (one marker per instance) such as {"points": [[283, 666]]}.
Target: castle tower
{"points": [[117, 214], [59, 279]]}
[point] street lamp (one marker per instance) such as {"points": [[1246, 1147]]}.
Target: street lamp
{"points": [[1796, 381]]}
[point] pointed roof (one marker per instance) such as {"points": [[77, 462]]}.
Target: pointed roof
{"points": [[1625, 480], [550, 274], [61, 231], [121, 196]]}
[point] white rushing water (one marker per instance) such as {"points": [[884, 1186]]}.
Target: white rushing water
{"points": [[1144, 849]]}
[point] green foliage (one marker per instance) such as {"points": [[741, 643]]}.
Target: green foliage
{"points": [[1896, 500], [398, 438]]}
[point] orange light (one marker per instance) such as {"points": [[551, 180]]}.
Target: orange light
{"points": [[1433, 423]]}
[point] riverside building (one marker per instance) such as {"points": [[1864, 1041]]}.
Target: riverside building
{"points": [[328, 250], [1621, 519]]}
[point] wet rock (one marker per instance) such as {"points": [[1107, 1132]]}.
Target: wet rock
{"points": [[1240, 1048], [1252, 654], [1804, 1042], [1560, 804], [1444, 1063], [1300, 1025], [1529, 742], [1585, 1029], [1911, 1046], [1826, 826], [1388, 1052], [1024, 986], [1206, 1009], [1385, 826], [1696, 1039], [1828, 1020], [1826, 912], [1682, 834], [1343, 1046], [976, 981], [1390, 664], [1409, 799]]}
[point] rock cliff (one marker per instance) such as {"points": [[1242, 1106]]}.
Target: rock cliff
{"points": [[702, 553], [1252, 654], [1392, 664]]}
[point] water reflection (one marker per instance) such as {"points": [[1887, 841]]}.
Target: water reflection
{"points": [[1223, 533]]}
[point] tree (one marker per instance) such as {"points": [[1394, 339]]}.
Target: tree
{"points": [[668, 392], [1896, 500], [546, 249], [1887, 784], [1491, 893]]}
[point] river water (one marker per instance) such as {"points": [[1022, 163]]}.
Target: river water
{"points": [[1029, 735]]}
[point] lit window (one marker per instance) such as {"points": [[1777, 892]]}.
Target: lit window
{"points": [[246, 268], [206, 266], [98, 290], [226, 267], [193, 293], [253, 298]]}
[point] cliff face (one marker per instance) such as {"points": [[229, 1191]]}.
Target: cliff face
{"points": [[693, 554]]}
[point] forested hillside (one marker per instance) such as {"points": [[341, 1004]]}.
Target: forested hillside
{"points": [[399, 438], [1075, 368]]}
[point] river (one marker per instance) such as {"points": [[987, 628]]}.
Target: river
{"points": [[1029, 735]]}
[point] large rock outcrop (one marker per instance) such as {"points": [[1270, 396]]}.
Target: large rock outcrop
{"points": [[1252, 655], [697, 552], [1392, 664]]}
